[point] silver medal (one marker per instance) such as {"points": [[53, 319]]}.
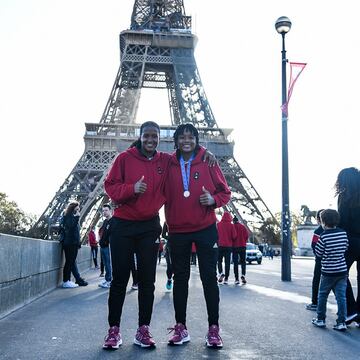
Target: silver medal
{"points": [[186, 193]]}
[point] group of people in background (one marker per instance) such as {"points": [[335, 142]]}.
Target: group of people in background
{"points": [[233, 237], [336, 245]]}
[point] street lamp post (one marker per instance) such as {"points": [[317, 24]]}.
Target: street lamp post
{"points": [[283, 26]]}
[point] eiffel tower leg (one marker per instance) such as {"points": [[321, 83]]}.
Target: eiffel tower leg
{"points": [[85, 182]]}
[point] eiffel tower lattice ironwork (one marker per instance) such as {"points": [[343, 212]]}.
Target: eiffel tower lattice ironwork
{"points": [[156, 52]]}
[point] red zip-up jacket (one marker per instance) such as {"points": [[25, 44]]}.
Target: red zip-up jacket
{"points": [[226, 231], [242, 235], [184, 215], [92, 239], [127, 169]]}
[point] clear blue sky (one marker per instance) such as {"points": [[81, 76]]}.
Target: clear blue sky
{"points": [[59, 60]]}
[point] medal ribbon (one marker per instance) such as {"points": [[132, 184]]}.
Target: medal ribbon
{"points": [[186, 173]]}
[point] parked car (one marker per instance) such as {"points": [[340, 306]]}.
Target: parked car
{"points": [[253, 253]]}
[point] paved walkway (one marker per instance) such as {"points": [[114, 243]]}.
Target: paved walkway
{"points": [[264, 319]]}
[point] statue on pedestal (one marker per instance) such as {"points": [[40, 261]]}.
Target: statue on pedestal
{"points": [[307, 215]]}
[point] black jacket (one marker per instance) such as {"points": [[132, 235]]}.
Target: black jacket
{"points": [[104, 232], [71, 229]]}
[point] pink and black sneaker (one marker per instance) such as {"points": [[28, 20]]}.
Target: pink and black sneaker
{"points": [[113, 338], [213, 339], [143, 337], [180, 335]]}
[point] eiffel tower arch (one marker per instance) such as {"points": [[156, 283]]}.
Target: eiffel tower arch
{"points": [[156, 52]]}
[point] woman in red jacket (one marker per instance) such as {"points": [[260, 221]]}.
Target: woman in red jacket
{"points": [[239, 250], [134, 184], [193, 190], [94, 246], [227, 234]]}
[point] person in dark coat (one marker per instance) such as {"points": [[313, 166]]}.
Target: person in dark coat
{"points": [[347, 188], [70, 241]]}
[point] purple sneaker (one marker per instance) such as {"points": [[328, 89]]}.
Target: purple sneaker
{"points": [[143, 337], [213, 339], [113, 338], [180, 335]]}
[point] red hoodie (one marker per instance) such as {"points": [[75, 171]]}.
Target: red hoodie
{"points": [[226, 231], [242, 235], [184, 215], [127, 169], [92, 239]]}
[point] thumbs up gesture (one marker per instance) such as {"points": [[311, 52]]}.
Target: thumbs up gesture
{"points": [[205, 198], [140, 186]]}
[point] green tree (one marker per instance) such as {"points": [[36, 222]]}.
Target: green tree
{"points": [[13, 220], [271, 231]]}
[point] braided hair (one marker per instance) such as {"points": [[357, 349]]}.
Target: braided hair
{"points": [[137, 143], [189, 128]]}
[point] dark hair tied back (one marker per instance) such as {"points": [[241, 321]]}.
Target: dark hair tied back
{"points": [[137, 143]]}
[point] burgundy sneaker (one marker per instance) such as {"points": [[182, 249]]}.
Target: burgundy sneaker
{"points": [[213, 339], [180, 335], [113, 338], [143, 337]]}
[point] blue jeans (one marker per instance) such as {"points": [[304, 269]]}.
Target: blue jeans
{"points": [[338, 285], [105, 256]]}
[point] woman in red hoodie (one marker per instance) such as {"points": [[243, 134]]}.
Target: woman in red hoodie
{"points": [[239, 250], [227, 234], [193, 190], [135, 184]]}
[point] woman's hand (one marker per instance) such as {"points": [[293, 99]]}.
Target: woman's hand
{"points": [[205, 198], [210, 158], [140, 186]]}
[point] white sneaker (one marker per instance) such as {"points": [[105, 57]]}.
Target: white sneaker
{"points": [[69, 285], [105, 284]]}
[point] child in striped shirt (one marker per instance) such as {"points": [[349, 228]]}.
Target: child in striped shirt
{"points": [[331, 248]]}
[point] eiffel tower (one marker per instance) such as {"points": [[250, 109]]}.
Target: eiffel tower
{"points": [[156, 52]]}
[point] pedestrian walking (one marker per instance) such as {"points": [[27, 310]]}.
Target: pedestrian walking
{"points": [[104, 242], [227, 235], [161, 249], [239, 250], [93, 246], [193, 254]]}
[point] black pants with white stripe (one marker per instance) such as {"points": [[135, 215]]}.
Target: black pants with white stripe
{"points": [[207, 252]]}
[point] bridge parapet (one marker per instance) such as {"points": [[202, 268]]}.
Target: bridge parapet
{"points": [[30, 268]]}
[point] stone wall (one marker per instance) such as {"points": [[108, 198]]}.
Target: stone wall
{"points": [[30, 268]]}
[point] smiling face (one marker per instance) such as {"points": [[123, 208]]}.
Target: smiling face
{"points": [[186, 142], [149, 140]]}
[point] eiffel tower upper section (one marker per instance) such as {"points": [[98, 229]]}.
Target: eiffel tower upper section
{"points": [[156, 52]]}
